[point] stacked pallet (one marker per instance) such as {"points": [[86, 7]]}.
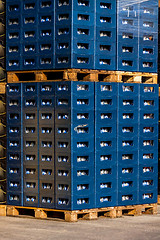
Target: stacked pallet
{"points": [[82, 107]]}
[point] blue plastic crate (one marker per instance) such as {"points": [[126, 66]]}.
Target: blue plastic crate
{"points": [[29, 21], [62, 61], [13, 63], [13, 49], [29, 48], [147, 170], [106, 199], [82, 33], [126, 171], [107, 35], [85, 159], [46, 200], [63, 17], [46, 61], [106, 21], [29, 34], [105, 130], [13, 22], [45, 6], [148, 157], [85, 103], [148, 197], [63, 46], [45, 47], [83, 174], [13, 8], [46, 102], [149, 65], [14, 131], [30, 199], [127, 64], [13, 104], [63, 102], [106, 8], [85, 7], [30, 62], [82, 133], [83, 202], [81, 47], [105, 159], [83, 61], [128, 157], [148, 144], [29, 7], [13, 185], [14, 157], [128, 131], [30, 185], [45, 89], [148, 183], [127, 185], [126, 37], [82, 89], [82, 18], [126, 117], [149, 90], [127, 50], [103, 47], [14, 171], [148, 130], [46, 19], [149, 38], [148, 52], [104, 145], [106, 103], [105, 89], [63, 201], [105, 117], [105, 62], [30, 90], [14, 198], [128, 198], [63, 31]]}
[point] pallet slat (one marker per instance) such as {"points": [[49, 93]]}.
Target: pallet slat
{"points": [[2, 88], [81, 75]]}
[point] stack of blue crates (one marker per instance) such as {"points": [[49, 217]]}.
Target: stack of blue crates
{"points": [[137, 36], [81, 145], [112, 35], [128, 143], [106, 144], [148, 144]]}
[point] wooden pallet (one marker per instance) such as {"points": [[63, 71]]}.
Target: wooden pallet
{"points": [[3, 210], [2, 88], [81, 75], [87, 214], [137, 210]]}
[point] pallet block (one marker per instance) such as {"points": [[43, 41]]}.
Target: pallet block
{"points": [[2, 210], [2, 88]]}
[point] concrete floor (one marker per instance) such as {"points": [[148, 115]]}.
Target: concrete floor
{"points": [[146, 227]]}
